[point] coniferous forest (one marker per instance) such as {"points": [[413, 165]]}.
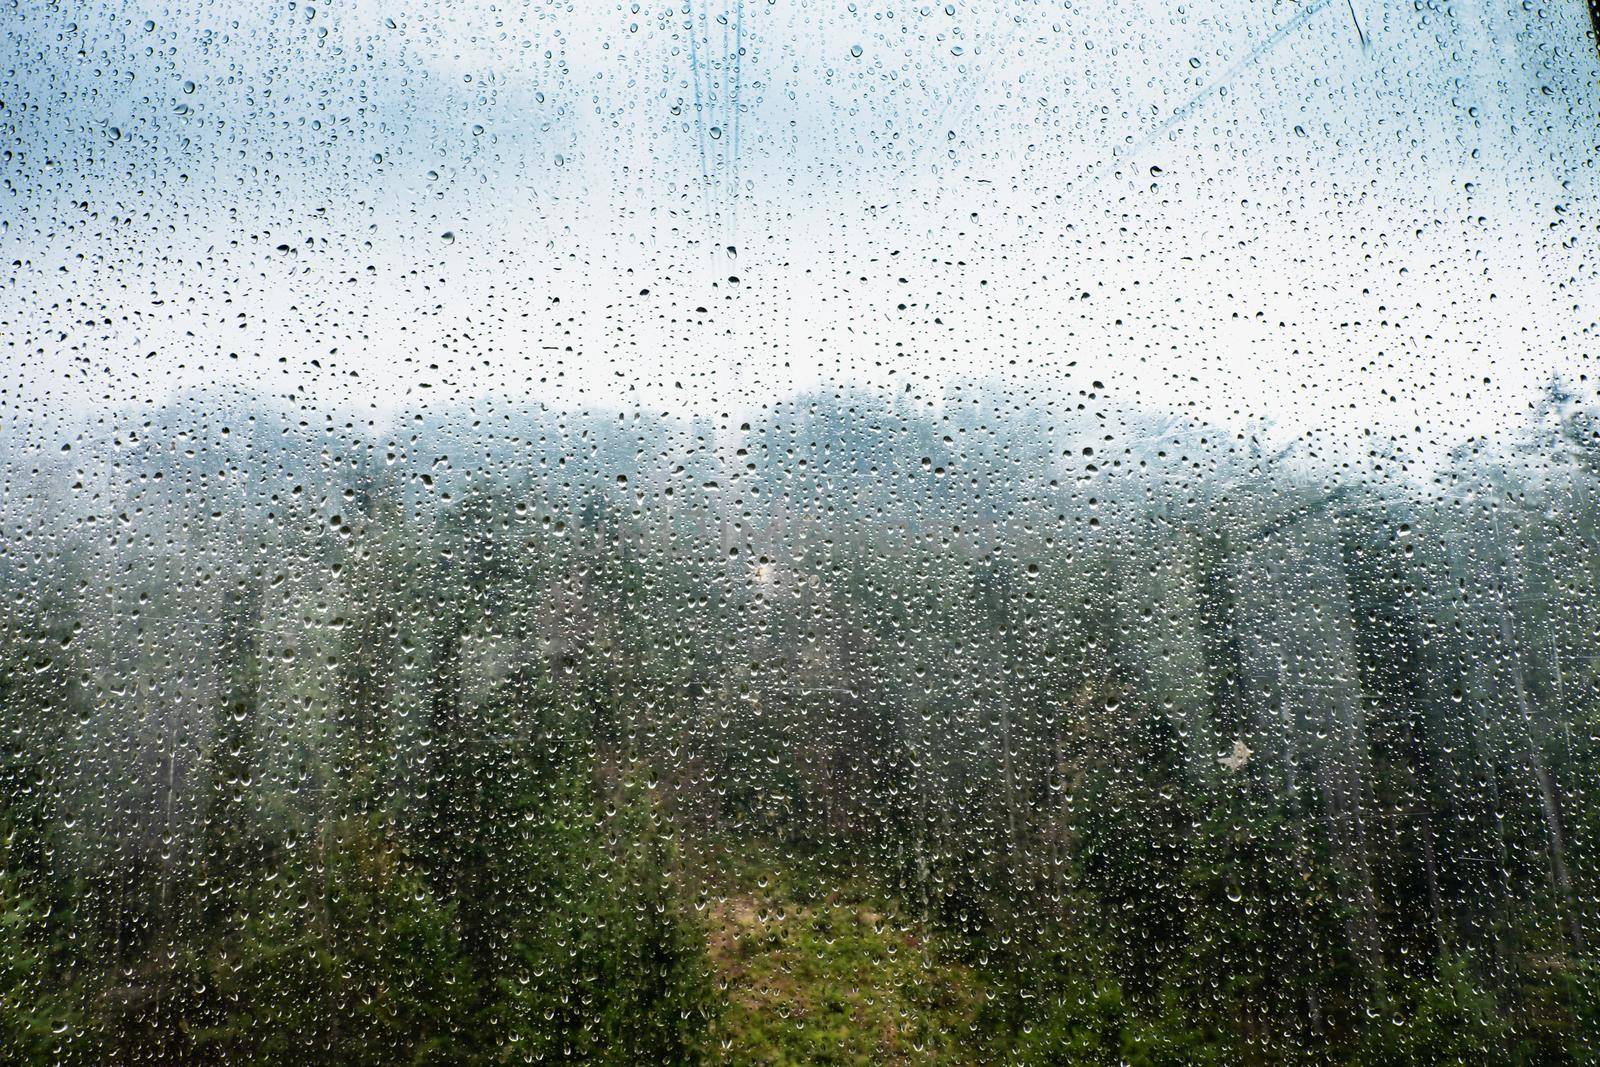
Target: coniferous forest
{"points": [[864, 730]]}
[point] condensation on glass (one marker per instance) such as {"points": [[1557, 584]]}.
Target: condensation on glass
{"points": [[753, 532]]}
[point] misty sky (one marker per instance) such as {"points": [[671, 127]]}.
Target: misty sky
{"points": [[1333, 216]]}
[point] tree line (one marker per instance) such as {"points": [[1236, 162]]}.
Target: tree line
{"points": [[422, 741]]}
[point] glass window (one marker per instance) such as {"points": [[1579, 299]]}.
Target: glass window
{"points": [[807, 532]]}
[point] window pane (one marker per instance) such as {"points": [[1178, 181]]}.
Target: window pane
{"points": [[815, 532]]}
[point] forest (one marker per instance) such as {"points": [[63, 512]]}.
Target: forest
{"points": [[859, 728]]}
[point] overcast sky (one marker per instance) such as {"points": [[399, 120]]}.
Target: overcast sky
{"points": [[1333, 215]]}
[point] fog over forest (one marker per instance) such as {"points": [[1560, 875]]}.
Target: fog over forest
{"points": [[485, 736]]}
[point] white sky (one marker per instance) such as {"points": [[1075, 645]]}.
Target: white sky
{"points": [[1329, 236]]}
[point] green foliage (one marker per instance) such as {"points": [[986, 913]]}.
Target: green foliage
{"points": [[1134, 851], [1445, 1019], [1064, 1004], [1584, 991], [342, 955], [1165, 762], [836, 979], [41, 1017], [606, 964], [1264, 932]]}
